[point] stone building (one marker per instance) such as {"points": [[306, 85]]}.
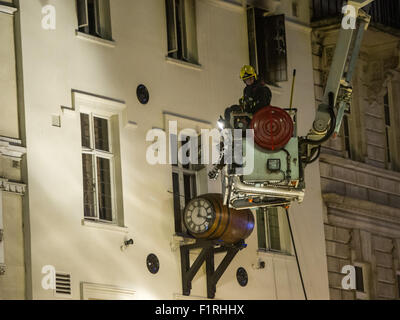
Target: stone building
{"points": [[97, 76], [12, 188], [360, 170]]}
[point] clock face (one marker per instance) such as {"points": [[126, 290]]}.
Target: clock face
{"points": [[199, 216]]}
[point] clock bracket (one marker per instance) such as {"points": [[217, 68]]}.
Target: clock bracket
{"points": [[208, 250]]}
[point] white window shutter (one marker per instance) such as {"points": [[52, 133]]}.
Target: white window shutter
{"points": [[82, 11]]}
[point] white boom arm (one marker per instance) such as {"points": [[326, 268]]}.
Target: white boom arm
{"points": [[338, 89]]}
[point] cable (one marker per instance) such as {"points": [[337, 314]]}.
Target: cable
{"points": [[295, 252], [329, 133], [331, 128], [316, 157], [312, 158]]}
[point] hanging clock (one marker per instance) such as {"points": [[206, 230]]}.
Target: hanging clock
{"points": [[199, 215], [242, 277], [153, 265], [142, 94]]}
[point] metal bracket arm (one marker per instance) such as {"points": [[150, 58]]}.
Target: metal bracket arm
{"points": [[206, 255]]}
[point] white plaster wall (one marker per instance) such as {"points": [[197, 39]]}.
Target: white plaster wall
{"points": [[54, 62], [8, 96]]}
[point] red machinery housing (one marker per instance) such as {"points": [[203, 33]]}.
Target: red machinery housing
{"points": [[273, 128]]}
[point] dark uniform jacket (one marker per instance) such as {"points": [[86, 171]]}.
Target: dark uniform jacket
{"points": [[256, 96]]}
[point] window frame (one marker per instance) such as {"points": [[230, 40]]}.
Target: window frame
{"points": [[85, 26], [187, 53], [202, 182], [264, 233], [366, 270], [256, 36], [387, 117], [116, 110], [181, 171], [109, 155]]}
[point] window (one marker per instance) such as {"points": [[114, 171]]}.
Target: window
{"points": [[184, 182], [272, 230], [386, 107], [398, 285], [346, 136], [363, 280], [359, 279], [267, 45], [181, 30], [98, 168], [295, 9], [94, 18]]}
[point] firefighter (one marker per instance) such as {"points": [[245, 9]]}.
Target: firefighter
{"points": [[256, 94]]}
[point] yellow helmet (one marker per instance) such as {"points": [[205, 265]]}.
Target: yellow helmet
{"points": [[247, 72]]}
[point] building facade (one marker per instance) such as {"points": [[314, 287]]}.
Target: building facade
{"points": [[12, 187], [360, 177], [97, 76]]}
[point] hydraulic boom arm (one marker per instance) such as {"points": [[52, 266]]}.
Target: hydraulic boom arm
{"points": [[338, 91]]}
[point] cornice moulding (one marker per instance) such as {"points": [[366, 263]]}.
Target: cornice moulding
{"points": [[12, 187], [10, 147]]}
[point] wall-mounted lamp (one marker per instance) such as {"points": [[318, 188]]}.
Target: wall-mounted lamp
{"points": [[126, 244]]}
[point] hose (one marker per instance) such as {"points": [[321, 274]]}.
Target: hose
{"points": [[331, 128], [328, 134]]}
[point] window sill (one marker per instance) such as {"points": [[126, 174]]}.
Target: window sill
{"points": [[275, 254], [104, 226], [94, 39], [193, 66], [8, 9]]}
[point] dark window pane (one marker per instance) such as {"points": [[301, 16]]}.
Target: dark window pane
{"points": [[180, 24], [359, 279], [347, 142], [101, 134], [251, 27], [398, 285], [189, 184], [273, 228], [270, 42], [104, 189], [261, 235], [173, 146], [171, 28], [88, 186], [276, 70], [85, 130], [92, 15], [177, 202], [387, 115], [388, 153]]}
